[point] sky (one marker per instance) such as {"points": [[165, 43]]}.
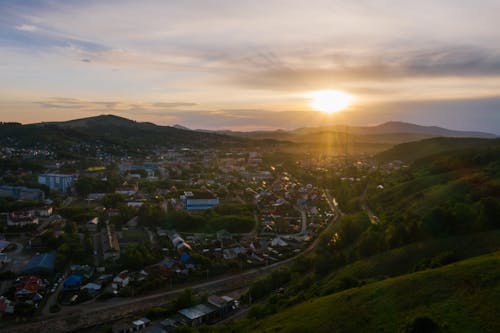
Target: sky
{"points": [[247, 65]]}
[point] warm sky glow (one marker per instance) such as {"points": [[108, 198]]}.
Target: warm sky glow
{"points": [[330, 101], [248, 64]]}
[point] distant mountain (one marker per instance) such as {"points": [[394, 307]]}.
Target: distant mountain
{"points": [[402, 127], [107, 133], [389, 133]]}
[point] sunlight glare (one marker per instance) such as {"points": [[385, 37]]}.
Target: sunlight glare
{"points": [[330, 101]]}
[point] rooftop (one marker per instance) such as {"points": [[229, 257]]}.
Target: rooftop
{"points": [[196, 311]]}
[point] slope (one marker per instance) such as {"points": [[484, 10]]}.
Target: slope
{"points": [[412, 151], [461, 297]]}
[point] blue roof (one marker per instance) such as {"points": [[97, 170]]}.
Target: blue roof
{"points": [[185, 257], [73, 280], [41, 263]]}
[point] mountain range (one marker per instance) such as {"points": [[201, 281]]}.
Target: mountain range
{"points": [[392, 132], [117, 134]]}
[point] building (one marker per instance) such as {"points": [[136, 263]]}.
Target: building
{"points": [[129, 327], [21, 218], [109, 243], [224, 305], [22, 193], [58, 182], [28, 287], [178, 242], [198, 315], [45, 211], [41, 264], [73, 282], [6, 305], [196, 201], [121, 280], [92, 225]]}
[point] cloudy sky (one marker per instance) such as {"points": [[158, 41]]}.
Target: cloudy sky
{"points": [[251, 64]]}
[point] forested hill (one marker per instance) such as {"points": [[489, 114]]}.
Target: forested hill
{"points": [[415, 150], [107, 133]]}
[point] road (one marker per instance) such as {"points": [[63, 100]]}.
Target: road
{"points": [[366, 209]]}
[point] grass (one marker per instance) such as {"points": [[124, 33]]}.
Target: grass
{"points": [[405, 259], [461, 297], [134, 235]]}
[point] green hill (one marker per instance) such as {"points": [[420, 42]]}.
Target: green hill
{"points": [[461, 297], [412, 151]]}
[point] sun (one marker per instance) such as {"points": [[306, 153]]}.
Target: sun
{"points": [[330, 101]]}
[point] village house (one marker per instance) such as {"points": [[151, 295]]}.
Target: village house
{"points": [[21, 218], [109, 243], [121, 280], [29, 287]]}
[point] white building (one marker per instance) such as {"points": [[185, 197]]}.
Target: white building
{"points": [[59, 182]]}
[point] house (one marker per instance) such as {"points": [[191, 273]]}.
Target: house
{"points": [[6, 305], [109, 243], [224, 305], [41, 264], [84, 271], [134, 326], [28, 287], [198, 315], [196, 201], [21, 218], [278, 241], [22, 193], [139, 324], [59, 182], [121, 280], [92, 288], [233, 253], [132, 223], [135, 204], [179, 243], [44, 211], [72, 282], [93, 224]]}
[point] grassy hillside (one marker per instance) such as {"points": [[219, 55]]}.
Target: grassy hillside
{"points": [[410, 258], [412, 151], [461, 297]]}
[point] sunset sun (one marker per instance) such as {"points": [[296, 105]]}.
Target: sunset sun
{"points": [[330, 101]]}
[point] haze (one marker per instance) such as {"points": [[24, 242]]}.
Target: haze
{"points": [[251, 65]]}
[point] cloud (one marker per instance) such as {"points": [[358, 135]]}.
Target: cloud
{"points": [[452, 61], [118, 106], [26, 28], [173, 104]]}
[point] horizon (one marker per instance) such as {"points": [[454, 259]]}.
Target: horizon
{"points": [[247, 66], [263, 130]]}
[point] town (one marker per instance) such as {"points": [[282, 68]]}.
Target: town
{"points": [[76, 234]]}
